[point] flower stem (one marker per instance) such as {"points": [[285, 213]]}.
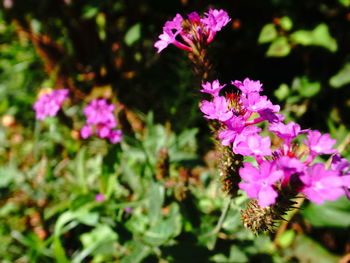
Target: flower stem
{"points": [[220, 222]]}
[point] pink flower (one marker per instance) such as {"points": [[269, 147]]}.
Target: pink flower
{"points": [[253, 102], [321, 185], [194, 31], [99, 197], [248, 86], [319, 143], [50, 103], [100, 120], [212, 88], [286, 131], [215, 20], [259, 182], [252, 144], [217, 109], [170, 31]]}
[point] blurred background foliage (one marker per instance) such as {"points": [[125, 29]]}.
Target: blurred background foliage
{"points": [[162, 194]]}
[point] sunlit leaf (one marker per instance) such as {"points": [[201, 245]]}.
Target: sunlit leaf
{"points": [[279, 48], [133, 34], [341, 78], [267, 34], [320, 36]]}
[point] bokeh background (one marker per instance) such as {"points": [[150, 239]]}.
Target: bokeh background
{"points": [[162, 197]]}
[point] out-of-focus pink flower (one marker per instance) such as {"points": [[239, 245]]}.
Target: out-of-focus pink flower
{"points": [[50, 103], [99, 197], [100, 120]]}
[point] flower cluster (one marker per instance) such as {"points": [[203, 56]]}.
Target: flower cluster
{"points": [[280, 169], [194, 31], [100, 120], [50, 103]]}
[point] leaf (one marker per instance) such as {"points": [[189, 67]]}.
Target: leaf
{"points": [[164, 230], [282, 92], [307, 250], [279, 48], [286, 23], [345, 2], [286, 238], [319, 37], [133, 34], [156, 199], [138, 252], [308, 89], [99, 241], [341, 78], [329, 214], [267, 34]]}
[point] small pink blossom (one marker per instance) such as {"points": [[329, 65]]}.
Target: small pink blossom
{"points": [[100, 120], [217, 109], [322, 185], [320, 143], [287, 132], [50, 103], [248, 86], [259, 182], [212, 88], [99, 197]]}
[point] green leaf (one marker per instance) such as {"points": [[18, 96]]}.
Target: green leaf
{"points": [[267, 34], [282, 92], [133, 34], [286, 239], [100, 241], [320, 36], [286, 23], [164, 230], [90, 11], [341, 78], [156, 199], [308, 89], [279, 48], [307, 250], [329, 214], [345, 2], [138, 252]]}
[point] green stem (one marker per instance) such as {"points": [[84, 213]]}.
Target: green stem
{"points": [[220, 222]]}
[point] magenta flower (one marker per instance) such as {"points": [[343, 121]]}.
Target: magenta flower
{"points": [[322, 185], [319, 143], [99, 197], [212, 88], [259, 182], [217, 109], [248, 86], [50, 103], [194, 31], [287, 132], [235, 126], [100, 120], [170, 31], [339, 164], [215, 20], [253, 102], [252, 144]]}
